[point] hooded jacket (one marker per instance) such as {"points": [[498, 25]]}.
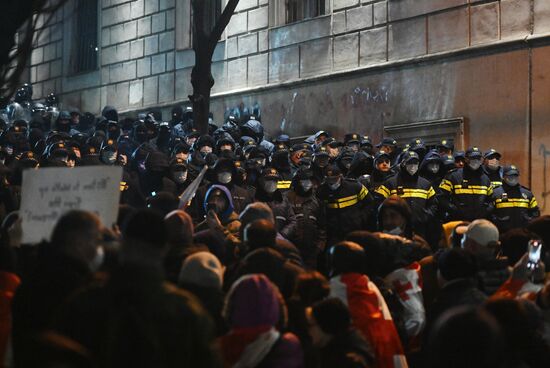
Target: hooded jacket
{"points": [[255, 312], [433, 178]]}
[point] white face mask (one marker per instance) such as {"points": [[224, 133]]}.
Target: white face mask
{"points": [[433, 167], [474, 164], [206, 150], [511, 180], [411, 168], [306, 185], [180, 177], [335, 186], [224, 177], [270, 186], [394, 231], [493, 164]]}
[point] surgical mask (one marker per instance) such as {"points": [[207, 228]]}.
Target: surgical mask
{"points": [[493, 164], [411, 168], [260, 162], [512, 180], [394, 231], [224, 177], [335, 185], [206, 150], [109, 157], [433, 167], [99, 257], [474, 164], [180, 177], [306, 185], [270, 186]]}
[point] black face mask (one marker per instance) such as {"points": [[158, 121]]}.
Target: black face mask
{"points": [[218, 204]]}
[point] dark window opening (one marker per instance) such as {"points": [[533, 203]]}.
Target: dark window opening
{"points": [[298, 10], [85, 36]]}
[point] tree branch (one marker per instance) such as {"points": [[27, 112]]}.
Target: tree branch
{"points": [[221, 23]]}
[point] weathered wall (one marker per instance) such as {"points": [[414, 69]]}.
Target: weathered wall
{"points": [[368, 64]]}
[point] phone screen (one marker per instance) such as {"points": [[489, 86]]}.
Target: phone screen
{"points": [[534, 251]]}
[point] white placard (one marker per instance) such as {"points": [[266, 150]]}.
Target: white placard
{"points": [[48, 193]]}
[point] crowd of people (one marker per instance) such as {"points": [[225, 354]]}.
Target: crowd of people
{"points": [[235, 250]]}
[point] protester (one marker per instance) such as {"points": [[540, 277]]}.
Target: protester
{"points": [[372, 249]]}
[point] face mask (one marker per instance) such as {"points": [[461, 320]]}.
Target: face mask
{"points": [[270, 186], [474, 164], [493, 164], [98, 259], [109, 157], [433, 168], [180, 177], [346, 163], [141, 167], [306, 185], [206, 150], [260, 162], [511, 180], [411, 168], [335, 185], [394, 231], [224, 177], [9, 150]]}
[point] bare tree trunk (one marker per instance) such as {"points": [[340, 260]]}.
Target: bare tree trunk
{"points": [[205, 39]]}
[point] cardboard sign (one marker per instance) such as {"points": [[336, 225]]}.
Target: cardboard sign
{"points": [[48, 193]]}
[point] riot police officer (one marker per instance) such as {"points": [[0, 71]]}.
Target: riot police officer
{"points": [[515, 205], [465, 194], [491, 166]]}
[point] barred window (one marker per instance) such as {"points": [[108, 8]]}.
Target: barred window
{"points": [[298, 10], [184, 29], [85, 44]]}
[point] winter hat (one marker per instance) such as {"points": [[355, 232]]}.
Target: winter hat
{"points": [[332, 316], [482, 232], [256, 211], [202, 269], [253, 301]]}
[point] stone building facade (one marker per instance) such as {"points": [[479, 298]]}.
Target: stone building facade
{"points": [[476, 71]]}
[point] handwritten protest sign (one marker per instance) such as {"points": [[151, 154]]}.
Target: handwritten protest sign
{"points": [[50, 192]]}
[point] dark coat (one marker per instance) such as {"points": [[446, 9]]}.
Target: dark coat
{"points": [[465, 195], [309, 234]]}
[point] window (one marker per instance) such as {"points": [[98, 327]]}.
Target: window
{"points": [[184, 30], [432, 132], [289, 11], [297, 10], [85, 40]]}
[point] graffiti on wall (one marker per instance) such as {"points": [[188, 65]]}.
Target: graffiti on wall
{"points": [[545, 191], [242, 112], [364, 96]]}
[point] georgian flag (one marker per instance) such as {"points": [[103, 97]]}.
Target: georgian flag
{"points": [[371, 316]]}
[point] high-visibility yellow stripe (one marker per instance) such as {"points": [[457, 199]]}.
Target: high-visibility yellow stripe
{"points": [[363, 193], [524, 200], [512, 204], [342, 204], [446, 185], [496, 183], [382, 190], [283, 184], [345, 199], [459, 186], [409, 192], [431, 192], [533, 203], [472, 191]]}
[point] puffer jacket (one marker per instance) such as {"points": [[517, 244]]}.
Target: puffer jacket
{"points": [[309, 233]]}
